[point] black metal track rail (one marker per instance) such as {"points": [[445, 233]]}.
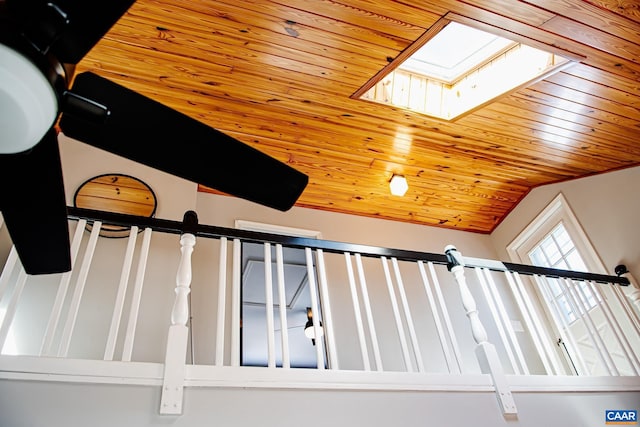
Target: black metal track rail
{"points": [[190, 225]]}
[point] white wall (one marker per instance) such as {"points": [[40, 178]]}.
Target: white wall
{"points": [[27, 404], [223, 211], [81, 162], [607, 207]]}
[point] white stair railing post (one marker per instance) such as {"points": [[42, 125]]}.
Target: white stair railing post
{"points": [[632, 292], [178, 337], [485, 351]]}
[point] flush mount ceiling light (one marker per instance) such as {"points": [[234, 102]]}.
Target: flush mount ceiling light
{"points": [[454, 69], [398, 185]]}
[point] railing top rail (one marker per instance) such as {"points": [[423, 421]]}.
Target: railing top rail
{"points": [[210, 231], [178, 227], [532, 270]]}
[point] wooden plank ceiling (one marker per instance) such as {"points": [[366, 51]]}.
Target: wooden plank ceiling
{"points": [[278, 75]]}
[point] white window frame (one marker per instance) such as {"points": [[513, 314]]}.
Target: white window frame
{"points": [[557, 211]]}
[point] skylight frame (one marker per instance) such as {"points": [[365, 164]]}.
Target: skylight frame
{"points": [[493, 46], [374, 90]]}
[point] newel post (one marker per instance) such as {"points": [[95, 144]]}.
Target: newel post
{"points": [[485, 351], [633, 292], [630, 296], [178, 337]]}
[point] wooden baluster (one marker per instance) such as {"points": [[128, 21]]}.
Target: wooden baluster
{"points": [[373, 336], [618, 331], [501, 319], [136, 296], [356, 311], [396, 315], [7, 271], [222, 302], [46, 348], [456, 267], [540, 340], [315, 309], [409, 318], [485, 351], [235, 303], [5, 322], [76, 298], [282, 307], [562, 326], [326, 309], [180, 311], [446, 319], [268, 294], [570, 289], [178, 337], [120, 296]]}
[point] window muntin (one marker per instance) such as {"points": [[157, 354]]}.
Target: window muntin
{"points": [[557, 250]]}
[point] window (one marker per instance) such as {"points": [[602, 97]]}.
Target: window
{"points": [[555, 239], [544, 230], [557, 250], [576, 311]]}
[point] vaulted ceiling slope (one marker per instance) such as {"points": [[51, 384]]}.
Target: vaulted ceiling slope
{"points": [[280, 74]]}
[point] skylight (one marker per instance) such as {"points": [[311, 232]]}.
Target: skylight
{"points": [[457, 70], [445, 57]]}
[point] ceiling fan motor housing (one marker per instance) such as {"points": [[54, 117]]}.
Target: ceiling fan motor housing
{"points": [[31, 86]]}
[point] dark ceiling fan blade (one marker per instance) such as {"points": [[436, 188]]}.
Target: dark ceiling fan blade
{"points": [[151, 133], [67, 28], [33, 205]]}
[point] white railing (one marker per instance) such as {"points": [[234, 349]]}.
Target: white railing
{"points": [[376, 310]]}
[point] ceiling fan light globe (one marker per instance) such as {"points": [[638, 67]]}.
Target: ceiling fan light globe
{"points": [[28, 103], [309, 330]]}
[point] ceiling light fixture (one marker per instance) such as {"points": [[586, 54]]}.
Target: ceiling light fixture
{"points": [[398, 185], [310, 330]]}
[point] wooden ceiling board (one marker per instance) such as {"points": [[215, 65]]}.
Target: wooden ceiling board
{"points": [[279, 75]]}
